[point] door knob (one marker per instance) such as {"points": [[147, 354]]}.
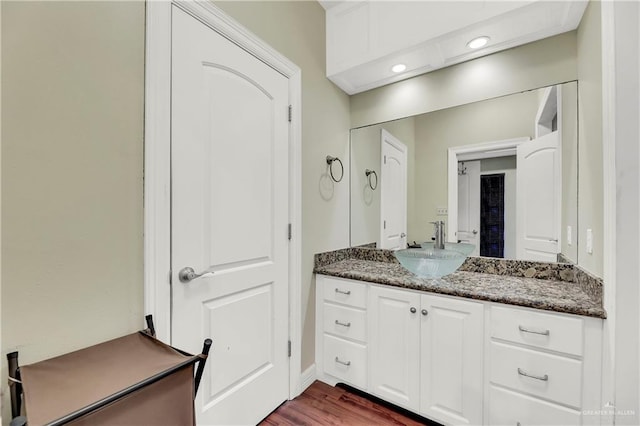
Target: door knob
{"points": [[188, 274], [475, 232], [403, 235]]}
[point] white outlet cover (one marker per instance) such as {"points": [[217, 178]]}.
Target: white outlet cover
{"points": [[442, 211]]}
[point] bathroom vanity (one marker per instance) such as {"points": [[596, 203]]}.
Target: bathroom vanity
{"points": [[521, 345]]}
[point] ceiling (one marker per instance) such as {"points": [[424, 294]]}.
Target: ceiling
{"points": [[428, 35]]}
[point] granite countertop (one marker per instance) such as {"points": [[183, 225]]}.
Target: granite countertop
{"points": [[567, 296]]}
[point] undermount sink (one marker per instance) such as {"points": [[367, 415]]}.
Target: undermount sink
{"points": [[464, 248], [430, 262]]}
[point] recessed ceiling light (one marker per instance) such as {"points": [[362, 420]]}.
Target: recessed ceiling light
{"points": [[398, 68], [478, 42]]}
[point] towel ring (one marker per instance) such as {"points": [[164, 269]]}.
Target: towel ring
{"points": [[368, 173], [330, 161]]}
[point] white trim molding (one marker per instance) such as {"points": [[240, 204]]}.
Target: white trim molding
{"points": [[308, 377], [157, 173], [157, 163], [621, 158], [609, 207]]}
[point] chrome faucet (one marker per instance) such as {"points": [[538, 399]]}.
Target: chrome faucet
{"points": [[438, 230]]}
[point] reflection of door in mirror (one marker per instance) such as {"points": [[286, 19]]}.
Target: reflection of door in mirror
{"points": [[539, 181], [469, 204], [538, 198], [393, 194]]}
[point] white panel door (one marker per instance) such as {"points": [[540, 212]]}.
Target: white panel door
{"points": [[469, 205], [229, 147], [395, 345], [393, 193], [451, 368], [539, 181]]}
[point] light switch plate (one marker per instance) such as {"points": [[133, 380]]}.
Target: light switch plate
{"points": [[442, 211], [589, 241]]}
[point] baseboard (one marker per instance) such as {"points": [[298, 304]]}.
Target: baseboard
{"points": [[307, 377]]}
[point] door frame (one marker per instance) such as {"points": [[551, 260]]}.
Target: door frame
{"points": [[477, 151], [478, 235], [157, 163]]}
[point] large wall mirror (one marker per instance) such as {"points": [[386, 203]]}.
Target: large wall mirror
{"points": [[501, 173]]}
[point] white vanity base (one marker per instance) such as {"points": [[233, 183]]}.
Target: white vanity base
{"points": [[456, 360]]}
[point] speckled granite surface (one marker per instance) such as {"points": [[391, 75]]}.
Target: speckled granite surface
{"points": [[512, 282], [361, 253], [562, 258], [520, 268], [369, 245], [590, 284]]}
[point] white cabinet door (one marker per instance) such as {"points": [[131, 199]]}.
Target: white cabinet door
{"points": [[395, 345], [451, 389]]}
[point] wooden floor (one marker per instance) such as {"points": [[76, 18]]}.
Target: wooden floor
{"points": [[322, 404]]}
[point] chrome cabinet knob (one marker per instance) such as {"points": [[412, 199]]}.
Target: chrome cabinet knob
{"points": [[412, 310], [425, 312]]}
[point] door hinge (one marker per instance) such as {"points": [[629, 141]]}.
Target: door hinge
{"points": [[289, 232], [290, 112], [289, 348]]}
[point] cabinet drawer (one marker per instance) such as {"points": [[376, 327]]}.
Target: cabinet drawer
{"points": [[345, 322], [554, 332], [553, 377], [345, 292], [511, 408], [345, 360]]}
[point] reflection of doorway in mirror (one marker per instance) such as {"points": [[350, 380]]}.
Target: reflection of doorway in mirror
{"points": [[507, 167], [498, 157], [472, 219], [492, 209], [393, 192]]}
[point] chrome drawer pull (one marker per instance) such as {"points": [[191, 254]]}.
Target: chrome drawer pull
{"points": [[527, 330], [348, 292], [347, 324], [533, 376], [348, 363]]}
